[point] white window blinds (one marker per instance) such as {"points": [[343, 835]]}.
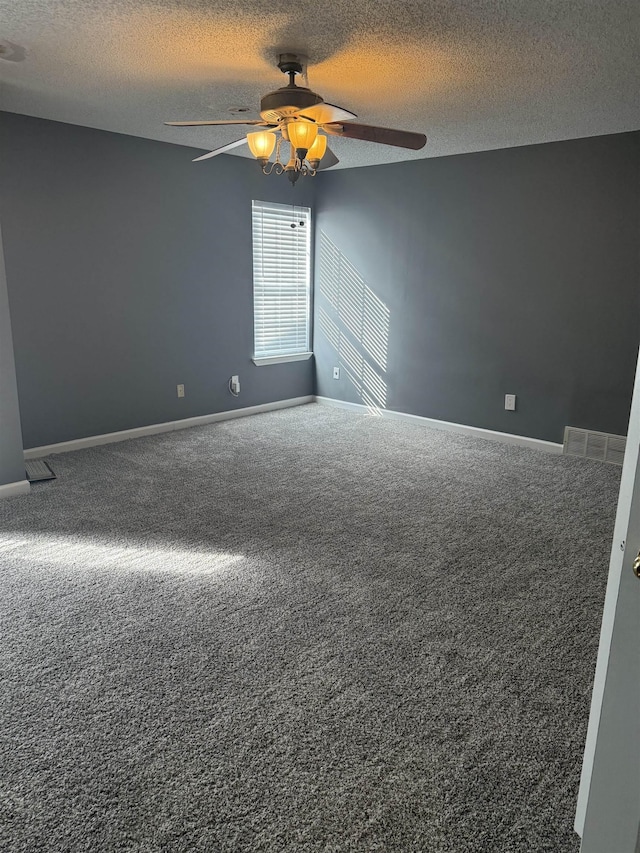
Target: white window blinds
{"points": [[281, 279]]}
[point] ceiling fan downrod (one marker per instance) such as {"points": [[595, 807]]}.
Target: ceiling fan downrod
{"points": [[289, 63]]}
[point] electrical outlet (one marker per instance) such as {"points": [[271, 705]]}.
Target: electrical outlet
{"points": [[234, 385], [510, 402], [180, 390], [336, 373]]}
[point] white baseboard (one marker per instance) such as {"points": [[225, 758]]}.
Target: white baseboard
{"points": [[12, 490], [169, 426], [478, 432], [201, 420]]}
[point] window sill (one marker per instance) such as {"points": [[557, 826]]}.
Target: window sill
{"points": [[281, 359]]}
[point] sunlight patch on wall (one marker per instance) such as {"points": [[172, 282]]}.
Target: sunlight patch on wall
{"points": [[88, 555], [355, 322]]}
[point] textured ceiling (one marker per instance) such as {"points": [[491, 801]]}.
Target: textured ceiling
{"points": [[471, 74]]}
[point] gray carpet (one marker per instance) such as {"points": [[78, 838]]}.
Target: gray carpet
{"points": [[301, 631]]}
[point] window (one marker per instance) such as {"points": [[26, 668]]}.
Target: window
{"points": [[281, 282]]}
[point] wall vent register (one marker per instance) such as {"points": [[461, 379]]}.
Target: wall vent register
{"points": [[601, 446]]}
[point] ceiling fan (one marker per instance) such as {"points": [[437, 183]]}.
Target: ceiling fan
{"points": [[295, 114]]}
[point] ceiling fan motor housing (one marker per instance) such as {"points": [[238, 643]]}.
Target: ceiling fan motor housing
{"points": [[287, 102]]}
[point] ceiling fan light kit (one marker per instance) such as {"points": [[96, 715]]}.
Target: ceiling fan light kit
{"points": [[294, 114], [300, 162]]}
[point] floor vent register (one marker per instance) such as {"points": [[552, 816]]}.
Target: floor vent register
{"points": [[37, 470]]}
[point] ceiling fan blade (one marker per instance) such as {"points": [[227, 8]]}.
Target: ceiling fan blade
{"points": [[328, 160], [254, 122], [323, 113], [383, 135], [222, 149]]}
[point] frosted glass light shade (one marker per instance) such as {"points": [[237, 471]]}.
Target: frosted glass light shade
{"points": [[261, 144], [317, 150], [302, 134]]}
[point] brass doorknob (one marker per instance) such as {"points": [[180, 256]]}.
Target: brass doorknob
{"points": [[636, 566]]}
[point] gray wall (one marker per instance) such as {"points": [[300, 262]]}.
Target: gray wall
{"points": [[443, 284], [11, 458], [129, 271]]}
